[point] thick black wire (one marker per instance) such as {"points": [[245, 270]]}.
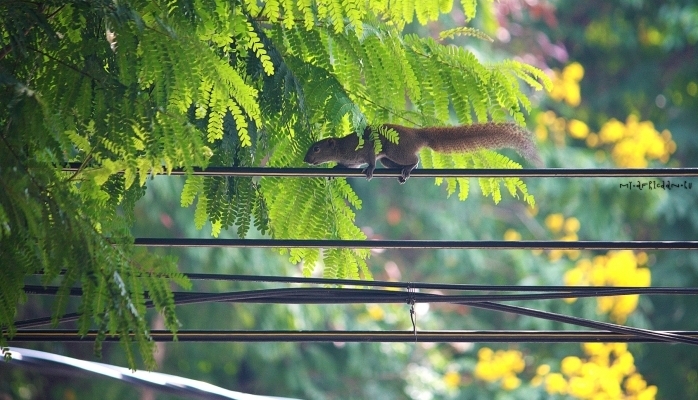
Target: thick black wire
{"points": [[576, 336], [481, 301], [432, 173], [342, 296], [645, 333], [418, 244], [577, 290], [435, 286]]}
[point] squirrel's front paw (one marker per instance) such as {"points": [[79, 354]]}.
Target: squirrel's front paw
{"points": [[403, 177], [369, 172]]}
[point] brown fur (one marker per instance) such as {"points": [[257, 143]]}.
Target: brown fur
{"points": [[404, 154]]}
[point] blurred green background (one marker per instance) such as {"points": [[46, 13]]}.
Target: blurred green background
{"points": [[639, 65]]}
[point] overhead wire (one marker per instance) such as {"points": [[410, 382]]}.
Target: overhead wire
{"points": [[406, 336], [432, 173], [343, 295], [419, 244]]}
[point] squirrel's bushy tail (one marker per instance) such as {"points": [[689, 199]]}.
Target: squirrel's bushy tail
{"points": [[492, 135]]}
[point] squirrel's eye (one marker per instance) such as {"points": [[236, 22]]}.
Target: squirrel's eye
{"points": [[316, 149]]}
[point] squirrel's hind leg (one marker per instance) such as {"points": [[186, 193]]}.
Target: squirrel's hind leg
{"points": [[406, 169]]}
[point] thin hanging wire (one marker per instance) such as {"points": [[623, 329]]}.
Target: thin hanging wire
{"points": [[420, 244], [450, 336], [434, 173]]}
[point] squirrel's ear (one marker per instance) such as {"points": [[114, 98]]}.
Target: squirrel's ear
{"points": [[331, 142]]}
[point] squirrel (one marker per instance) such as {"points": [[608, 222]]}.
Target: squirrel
{"points": [[404, 154]]}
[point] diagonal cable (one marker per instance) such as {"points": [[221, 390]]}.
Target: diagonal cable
{"points": [[341, 296], [644, 333], [428, 285]]}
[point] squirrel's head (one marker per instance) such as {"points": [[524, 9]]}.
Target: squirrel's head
{"points": [[321, 152]]}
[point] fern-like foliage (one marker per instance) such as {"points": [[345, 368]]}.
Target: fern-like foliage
{"points": [[132, 89], [465, 31]]}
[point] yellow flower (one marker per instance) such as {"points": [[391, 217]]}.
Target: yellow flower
{"points": [[629, 154], [543, 369], [452, 379], [612, 131], [647, 394], [636, 142], [591, 369], [624, 364], [500, 364], [620, 265], [635, 383], [618, 348], [555, 383], [571, 225], [573, 95], [574, 72], [566, 84], [581, 388], [510, 382], [574, 277], [610, 386], [624, 306], [485, 353], [485, 371], [595, 378], [577, 129], [512, 235], [514, 360], [594, 349], [641, 277], [554, 222], [376, 312], [571, 365]]}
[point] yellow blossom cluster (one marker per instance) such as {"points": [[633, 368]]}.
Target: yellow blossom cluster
{"points": [[632, 144], [500, 365], [550, 126], [607, 372], [635, 143], [616, 268], [566, 84], [564, 229]]}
